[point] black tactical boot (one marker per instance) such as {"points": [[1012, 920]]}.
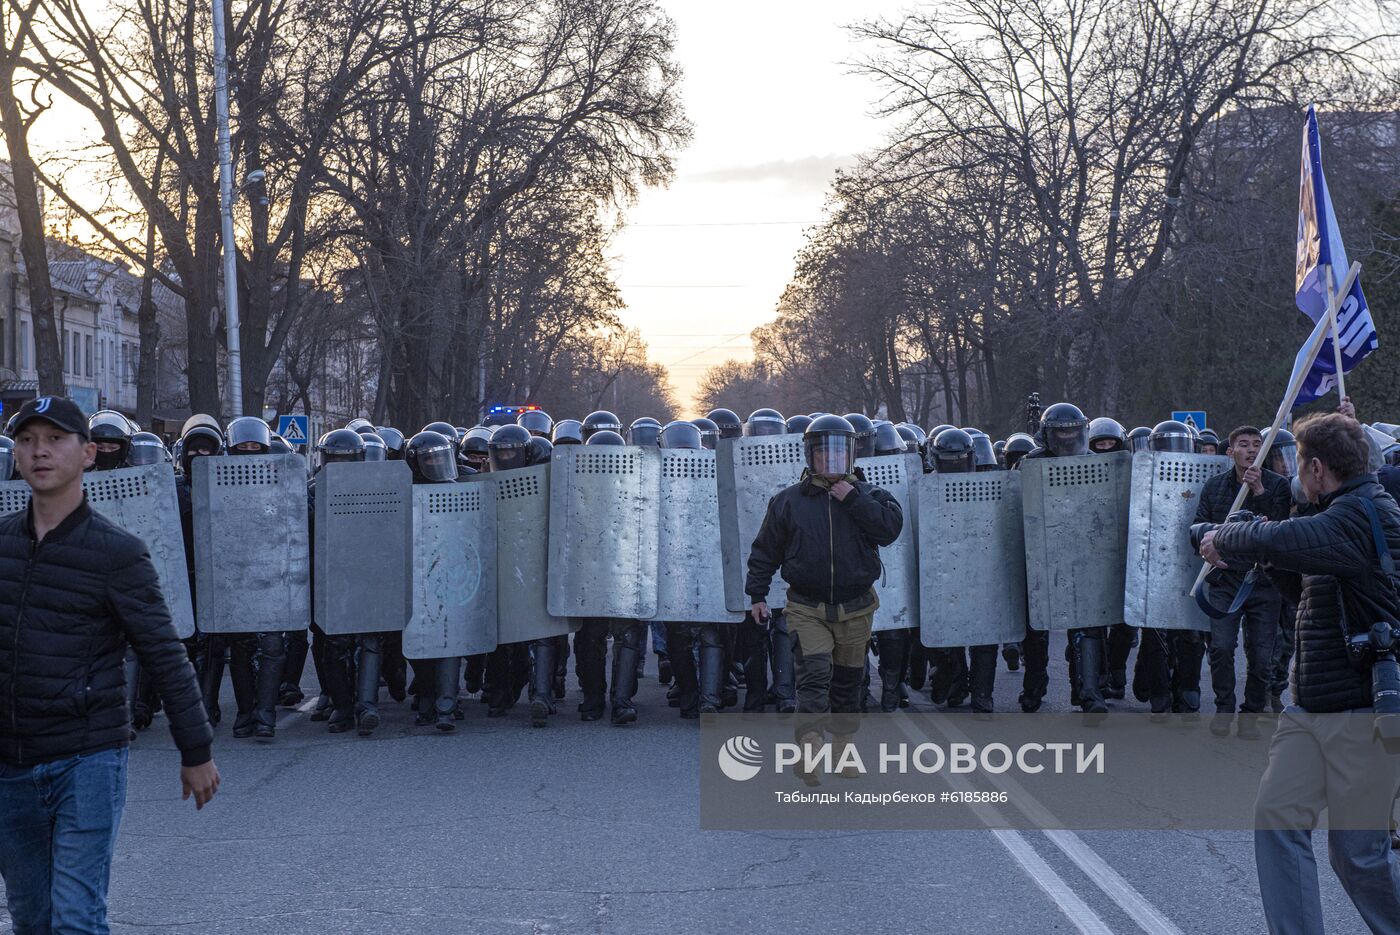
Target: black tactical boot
{"points": [[367, 687], [711, 678], [1117, 687], [271, 660], [476, 672], [1089, 656], [960, 689], [445, 708], [940, 683], [624, 680], [893, 646], [590, 664], [289, 693], [541, 683], [983, 679], [1011, 652]]}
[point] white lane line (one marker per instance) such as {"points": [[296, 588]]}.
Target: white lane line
{"points": [[1138, 908], [1076, 910]]}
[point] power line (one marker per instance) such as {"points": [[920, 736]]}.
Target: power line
{"points": [[729, 224]]}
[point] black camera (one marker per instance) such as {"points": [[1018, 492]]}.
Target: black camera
{"points": [[1377, 646]]}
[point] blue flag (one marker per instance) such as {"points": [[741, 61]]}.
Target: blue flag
{"points": [[1322, 255]]}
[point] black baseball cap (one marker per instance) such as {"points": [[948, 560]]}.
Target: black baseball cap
{"points": [[60, 410]]}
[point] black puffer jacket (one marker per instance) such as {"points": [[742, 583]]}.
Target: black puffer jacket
{"points": [[69, 606], [1218, 495], [828, 549], [1335, 552]]}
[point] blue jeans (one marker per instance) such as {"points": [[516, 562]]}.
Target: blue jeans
{"points": [[58, 824]]}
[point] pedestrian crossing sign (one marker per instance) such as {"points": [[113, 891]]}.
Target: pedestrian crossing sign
{"points": [[1195, 418], [293, 429]]}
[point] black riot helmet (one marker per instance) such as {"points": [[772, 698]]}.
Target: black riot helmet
{"points": [[1064, 430], [446, 431], [1106, 435], [830, 446], [568, 432], [796, 425], [509, 448], [913, 437], [1139, 438], [249, 435], [645, 432], [146, 448], [1017, 447], [541, 449], [984, 456], [535, 421], [1172, 436], [888, 441], [341, 446], [474, 450], [280, 446], [1210, 440], [605, 437], [865, 434], [375, 448], [601, 421], [1283, 454], [393, 442], [358, 426], [432, 458], [727, 421], [953, 452], [7, 457], [198, 441], [680, 434], [765, 422], [999, 449], [933, 432], [112, 431], [709, 432]]}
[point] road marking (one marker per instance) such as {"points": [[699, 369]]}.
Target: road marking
{"points": [[1138, 908], [1076, 910]]}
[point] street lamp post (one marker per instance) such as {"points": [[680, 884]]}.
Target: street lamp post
{"points": [[235, 357]]}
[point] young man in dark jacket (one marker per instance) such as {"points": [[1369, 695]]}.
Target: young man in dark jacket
{"points": [[75, 591], [1258, 616], [824, 532], [1334, 761]]}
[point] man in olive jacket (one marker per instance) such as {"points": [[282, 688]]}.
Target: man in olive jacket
{"points": [[825, 533], [75, 591], [1325, 752]]}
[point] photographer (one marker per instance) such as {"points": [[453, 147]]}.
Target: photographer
{"points": [[1343, 553]]}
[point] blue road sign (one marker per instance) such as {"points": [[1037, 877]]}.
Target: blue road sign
{"points": [[294, 429], [1192, 417]]}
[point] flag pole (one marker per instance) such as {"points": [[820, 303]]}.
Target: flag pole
{"points": [[1295, 386], [1332, 302]]}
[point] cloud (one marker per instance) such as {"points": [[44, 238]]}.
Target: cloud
{"points": [[810, 173]]}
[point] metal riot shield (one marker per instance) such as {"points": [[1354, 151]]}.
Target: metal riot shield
{"points": [[751, 472], [972, 553], [1075, 516], [364, 547], [142, 501], [898, 586], [1161, 565], [454, 572], [522, 555], [689, 563], [251, 553], [603, 531]]}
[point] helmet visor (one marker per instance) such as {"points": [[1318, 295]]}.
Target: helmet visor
{"points": [[831, 455], [1284, 460], [1181, 444], [1066, 441], [145, 452], [437, 464], [376, 453], [508, 459]]}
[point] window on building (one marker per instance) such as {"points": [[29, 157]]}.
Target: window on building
{"points": [[63, 350], [87, 355], [24, 347], [77, 358]]}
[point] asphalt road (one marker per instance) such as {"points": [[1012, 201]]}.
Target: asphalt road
{"points": [[587, 828]]}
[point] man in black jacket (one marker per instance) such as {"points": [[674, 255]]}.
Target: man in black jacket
{"points": [[75, 591], [1336, 761], [1258, 615], [824, 532]]}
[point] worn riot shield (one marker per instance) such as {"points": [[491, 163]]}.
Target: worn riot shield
{"points": [[522, 555], [251, 553], [1075, 516], [603, 531], [454, 572], [1161, 565], [142, 501], [689, 563], [898, 586], [972, 554], [751, 471], [363, 568]]}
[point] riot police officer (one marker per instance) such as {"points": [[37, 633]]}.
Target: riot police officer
{"points": [[432, 457], [508, 665], [865, 434], [1018, 446], [1106, 436], [600, 420], [567, 432], [537, 422], [726, 422], [393, 441], [111, 432], [709, 432]]}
